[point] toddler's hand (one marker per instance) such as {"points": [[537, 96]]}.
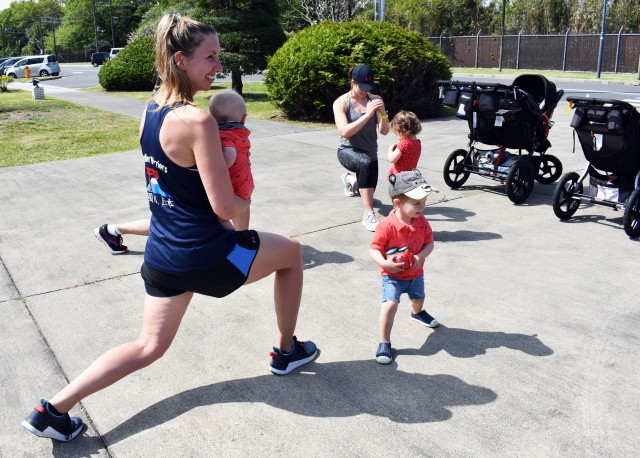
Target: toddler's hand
{"points": [[391, 266]]}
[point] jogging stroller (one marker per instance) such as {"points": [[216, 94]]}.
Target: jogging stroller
{"points": [[516, 116], [609, 134]]}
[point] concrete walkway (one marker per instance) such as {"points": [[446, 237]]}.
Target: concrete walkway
{"points": [[537, 354]]}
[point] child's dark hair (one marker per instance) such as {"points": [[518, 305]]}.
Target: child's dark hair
{"points": [[406, 123]]}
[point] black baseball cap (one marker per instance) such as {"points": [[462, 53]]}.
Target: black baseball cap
{"points": [[363, 75]]}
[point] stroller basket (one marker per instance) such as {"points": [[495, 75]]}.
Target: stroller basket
{"points": [[609, 134], [511, 116]]}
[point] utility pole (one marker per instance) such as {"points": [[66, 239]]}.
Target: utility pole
{"points": [[95, 23], [113, 40], [54, 21], [604, 26]]}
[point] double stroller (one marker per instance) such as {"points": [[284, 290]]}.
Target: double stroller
{"points": [[609, 134], [516, 116]]}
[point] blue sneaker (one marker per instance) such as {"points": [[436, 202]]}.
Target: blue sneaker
{"points": [[383, 355], [424, 318], [43, 423], [301, 354]]}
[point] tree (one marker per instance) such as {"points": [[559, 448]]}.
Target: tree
{"points": [[248, 32], [313, 12], [23, 29], [449, 17]]}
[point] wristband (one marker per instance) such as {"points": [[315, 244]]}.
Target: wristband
{"points": [[384, 116]]}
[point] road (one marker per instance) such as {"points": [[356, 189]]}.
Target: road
{"points": [[77, 76]]}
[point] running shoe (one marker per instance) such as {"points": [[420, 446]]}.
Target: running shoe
{"points": [[43, 423], [301, 354], [112, 242]]}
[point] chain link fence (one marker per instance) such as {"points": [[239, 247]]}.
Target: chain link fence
{"points": [[620, 52]]}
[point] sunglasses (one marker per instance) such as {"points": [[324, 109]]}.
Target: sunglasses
{"points": [[397, 250]]}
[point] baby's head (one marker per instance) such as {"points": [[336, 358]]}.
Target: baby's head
{"points": [[228, 106], [405, 124]]}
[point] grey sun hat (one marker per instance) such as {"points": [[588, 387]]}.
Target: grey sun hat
{"points": [[412, 184]]}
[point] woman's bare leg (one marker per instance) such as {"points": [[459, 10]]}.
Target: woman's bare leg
{"points": [[283, 256], [140, 227], [162, 317], [367, 198]]}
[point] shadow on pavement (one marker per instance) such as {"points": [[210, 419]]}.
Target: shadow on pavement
{"points": [[312, 257], [339, 389], [465, 343]]}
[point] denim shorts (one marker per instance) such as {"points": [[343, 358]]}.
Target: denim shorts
{"points": [[393, 287]]}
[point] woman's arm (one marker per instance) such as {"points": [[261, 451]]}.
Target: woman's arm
{"points": [[348, 129], [382, 117], [190, 135]]}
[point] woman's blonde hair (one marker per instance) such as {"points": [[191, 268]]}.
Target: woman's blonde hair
{"points": [[406, 122], [176, 33]]}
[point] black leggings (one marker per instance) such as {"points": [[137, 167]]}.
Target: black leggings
{"points": [[364, 165]]}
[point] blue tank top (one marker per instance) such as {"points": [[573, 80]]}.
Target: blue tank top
{"points": [[185, 234]]}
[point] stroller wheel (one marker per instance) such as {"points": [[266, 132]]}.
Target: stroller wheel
{"points": [[631, 218], [550, 169], [564, 203], [520, 181], [455, 174]]}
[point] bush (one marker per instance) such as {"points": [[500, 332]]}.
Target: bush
{"points": [[133, 69], [310, 70], [4, 81]]}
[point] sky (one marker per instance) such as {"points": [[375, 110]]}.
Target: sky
{"points": [[4, 4]]}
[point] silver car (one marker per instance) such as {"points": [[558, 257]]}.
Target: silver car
{"points": [[44, 65]]}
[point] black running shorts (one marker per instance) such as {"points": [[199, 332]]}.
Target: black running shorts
{"points": [[218, 281]]}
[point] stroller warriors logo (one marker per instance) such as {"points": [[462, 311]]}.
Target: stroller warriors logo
{"points": [[155, 193]]}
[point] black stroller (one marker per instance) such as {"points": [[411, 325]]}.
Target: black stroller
{"points": [[609, 133], [516, 116]]}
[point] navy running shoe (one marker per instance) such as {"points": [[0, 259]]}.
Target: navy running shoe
{"points": [[301, 354], [112, 242], [383, 354], [424, 318], [43, 423]]}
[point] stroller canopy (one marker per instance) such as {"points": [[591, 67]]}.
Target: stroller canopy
{"points": [[541, 89]]}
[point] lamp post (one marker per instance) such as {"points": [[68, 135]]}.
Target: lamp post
{"points": [[502, 36], [604, 26]]}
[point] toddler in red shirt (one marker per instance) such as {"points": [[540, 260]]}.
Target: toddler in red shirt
{"points": [[401, 243], [405, 154]]}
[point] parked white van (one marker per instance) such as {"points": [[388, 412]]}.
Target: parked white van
{"points": [[113, 52], [38, 66]]}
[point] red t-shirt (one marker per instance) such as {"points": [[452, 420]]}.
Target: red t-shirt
{"points": [[393, 233], [410, 150]]}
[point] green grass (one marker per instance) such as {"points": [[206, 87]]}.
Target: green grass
{"points": [[47, 130], [551, 74], [255, 95]]}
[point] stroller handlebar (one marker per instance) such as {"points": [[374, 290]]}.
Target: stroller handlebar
{"points": [[591, 102]]}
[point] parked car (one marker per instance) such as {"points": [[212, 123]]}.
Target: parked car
{"points": [[38, 66], [99, 58], [113, 52], [8, 63]]}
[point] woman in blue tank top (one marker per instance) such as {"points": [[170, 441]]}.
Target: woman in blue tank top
{"points": [[189, 249]]}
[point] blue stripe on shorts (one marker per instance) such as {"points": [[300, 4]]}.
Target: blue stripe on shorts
{"points": [[242, 258]]}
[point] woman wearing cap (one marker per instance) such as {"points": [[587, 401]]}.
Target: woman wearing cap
{"points": [[359, 115]]}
